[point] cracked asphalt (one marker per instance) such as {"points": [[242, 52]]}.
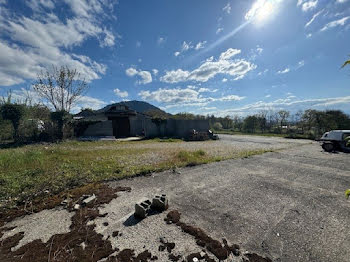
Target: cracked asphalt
{"points": [[288, 205]]}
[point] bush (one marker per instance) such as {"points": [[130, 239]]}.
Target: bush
{"points": [[13, 113], [6, 130], [217, 126]]}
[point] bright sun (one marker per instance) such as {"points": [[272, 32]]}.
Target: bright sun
{"points": [[262, 10]]}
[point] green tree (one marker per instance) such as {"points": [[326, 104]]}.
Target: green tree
{"points": [[217, 126], [250, 124], [13, 113]]}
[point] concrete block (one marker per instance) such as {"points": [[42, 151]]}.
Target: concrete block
{"points": [[142, 209], [160, 202]]}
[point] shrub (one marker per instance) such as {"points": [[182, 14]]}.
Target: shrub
{"points": [[13, 113], [217, 126]]}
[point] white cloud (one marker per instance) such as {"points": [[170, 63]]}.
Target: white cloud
{"points": [[208, 108], [200, 45], [229, 53], [313, 18], [43, 40], [178, 97], [88, 102], [339, 22], [171, 96], [231, 98], [309, 35], [290, 103], [283, 71], [155, 71], [219, 30], [145, 76], [138, 44], [207, 90], [38, 5], [267, 96], [237, 68], [341, 1], [227, 8], [224, 80], [263, 72], [161, 40], [300, 64], [309, 5], [88, 8], [259, 50], [175, 76], [188, 46], [32, 97], [120, 93], [131, 71]]}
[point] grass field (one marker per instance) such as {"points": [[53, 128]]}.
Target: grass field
{"points": [[28, 171]]}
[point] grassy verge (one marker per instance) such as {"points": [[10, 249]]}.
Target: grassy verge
{"points": [[31, 170]]}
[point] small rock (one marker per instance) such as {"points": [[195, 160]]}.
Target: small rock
{"points": [[89, 199], [83, 245], [195, 259], [76, 206]]}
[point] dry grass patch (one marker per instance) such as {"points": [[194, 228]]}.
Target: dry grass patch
{"points": [[32, 170]]}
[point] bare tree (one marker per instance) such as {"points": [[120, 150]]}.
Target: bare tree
{"points": [[61, 87], [283, 115]]}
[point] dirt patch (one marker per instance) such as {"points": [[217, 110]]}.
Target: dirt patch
{"points": [[173, 217], [220, 250], [81, 244], [103, 192]]}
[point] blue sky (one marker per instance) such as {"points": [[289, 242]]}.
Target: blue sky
{"points": [[200, 56]]}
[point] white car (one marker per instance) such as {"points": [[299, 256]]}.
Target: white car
{"points": [[336, 140]]}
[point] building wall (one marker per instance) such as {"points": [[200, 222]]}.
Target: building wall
{"points": [[181, 128], [140, 123], [103, 128]]}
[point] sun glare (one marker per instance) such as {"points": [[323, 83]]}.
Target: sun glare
{"points": [[265, 12], [262, 10]]}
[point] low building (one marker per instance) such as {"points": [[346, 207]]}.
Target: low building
{"points": [[119, 121]]}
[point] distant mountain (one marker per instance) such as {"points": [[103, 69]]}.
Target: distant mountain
{"points": [[138, 106]]}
